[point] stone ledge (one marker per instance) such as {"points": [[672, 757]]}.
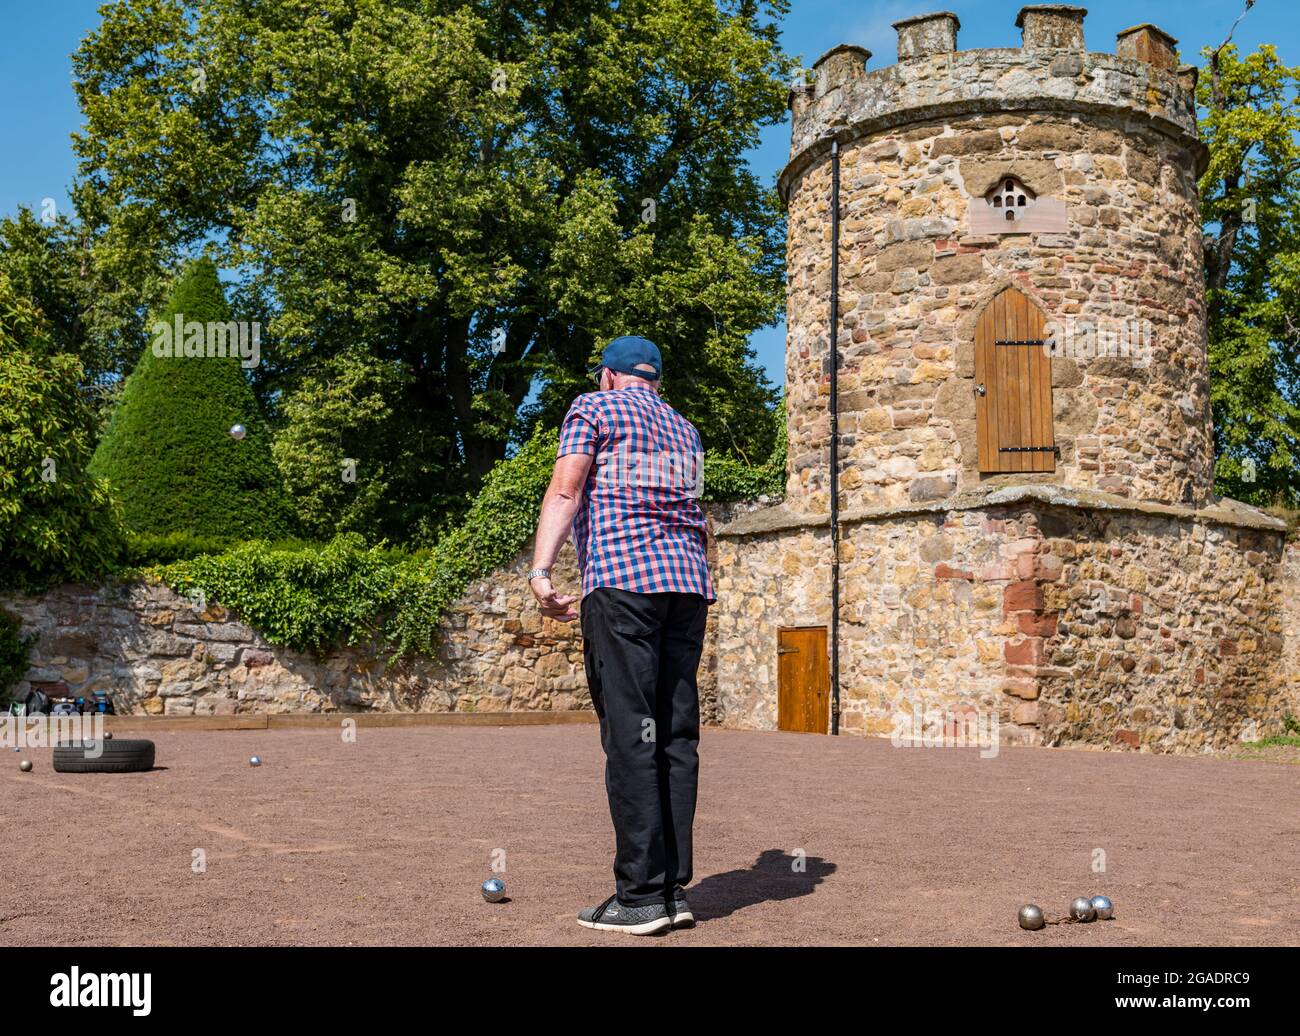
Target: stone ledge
{"points": [[777, 518], [1224, 512], [300, 721]]}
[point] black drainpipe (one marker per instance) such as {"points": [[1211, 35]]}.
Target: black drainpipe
{"points": [[835, 436]]}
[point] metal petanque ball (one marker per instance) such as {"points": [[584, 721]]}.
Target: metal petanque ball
{"points": [[1083, 910], [494, 890], [1104, 907], [1031, 917], [25, 766], [238, 431], [255, 761]]}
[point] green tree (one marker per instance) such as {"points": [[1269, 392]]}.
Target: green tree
{"points": [[1250, 199], [56, 522], [89, 315], [478, 193], [349, 465], [168, 453]]}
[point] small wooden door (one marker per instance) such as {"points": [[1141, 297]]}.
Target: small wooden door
{"points": [[803, 682], [1013, 387]]}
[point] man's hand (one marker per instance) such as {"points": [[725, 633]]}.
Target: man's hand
{"points": [[553, 604]]}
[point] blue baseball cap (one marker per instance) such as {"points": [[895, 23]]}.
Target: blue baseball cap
{"points": [[625, 352]]}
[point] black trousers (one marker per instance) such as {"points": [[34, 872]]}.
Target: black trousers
{"points": [[641, 653]]}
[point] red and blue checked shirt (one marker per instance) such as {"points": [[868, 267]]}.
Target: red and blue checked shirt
{"points": [[639, 526]]}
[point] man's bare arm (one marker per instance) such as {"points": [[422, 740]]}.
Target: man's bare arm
{"points": [[559, 506]]}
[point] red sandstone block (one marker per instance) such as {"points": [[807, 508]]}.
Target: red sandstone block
{"points": [[994, 526], [1227, 646], [1200, 676], [944, 571], [1025, 595], [996, 572], [1033, 625], [1135, 604], [1050, 567], [1026, 566], [1024, 652], [1015, 548], [1027, 689], [1128, 737], [1025, 713]]}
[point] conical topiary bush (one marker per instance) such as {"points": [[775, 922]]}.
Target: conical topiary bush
{"points": [[168, 454]]}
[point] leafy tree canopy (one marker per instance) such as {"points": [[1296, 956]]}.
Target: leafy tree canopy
{"points": [[56, 522], [472, 196], [1250, 200]]}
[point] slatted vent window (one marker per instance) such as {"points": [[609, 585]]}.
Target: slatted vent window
{"points": [[1013, 387], [1010, 198]]}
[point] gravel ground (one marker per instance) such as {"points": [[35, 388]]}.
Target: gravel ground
{"points": [[800, 839]]}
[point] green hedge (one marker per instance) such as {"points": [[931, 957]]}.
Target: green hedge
{"points": [[167, 452]]}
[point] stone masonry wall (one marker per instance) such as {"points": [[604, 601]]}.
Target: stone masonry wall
{"points": [[1288, 592], [763, 582], [1149, 629], [913, 281], [1152, 632], [157, 653]]}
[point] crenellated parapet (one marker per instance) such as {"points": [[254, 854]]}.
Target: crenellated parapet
{"points": [[1051, 71]]}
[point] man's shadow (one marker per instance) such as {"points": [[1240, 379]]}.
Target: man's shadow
{"points": [[775, 875]]}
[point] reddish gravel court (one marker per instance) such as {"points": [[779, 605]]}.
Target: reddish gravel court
{"points": [[385, 841]]}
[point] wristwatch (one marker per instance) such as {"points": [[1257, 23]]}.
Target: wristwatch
{"points": [[537, 573]]}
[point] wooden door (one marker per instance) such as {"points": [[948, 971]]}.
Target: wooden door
{"points": [[1013, 387], [803, 681]]}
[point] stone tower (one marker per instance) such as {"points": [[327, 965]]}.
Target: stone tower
{"points": [[1026, 531], [1096, 157]]}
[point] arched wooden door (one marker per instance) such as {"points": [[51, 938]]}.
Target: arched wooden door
{"points": [[1013, 387]]}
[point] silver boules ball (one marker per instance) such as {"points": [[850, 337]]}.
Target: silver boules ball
{"points": [[255, 761], [238, 431], [25, 766], [494, 890], [1031, 917], [1081, 909], [1104, 908]]}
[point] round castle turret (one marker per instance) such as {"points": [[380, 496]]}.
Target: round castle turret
{"points": [[1021, 289]]}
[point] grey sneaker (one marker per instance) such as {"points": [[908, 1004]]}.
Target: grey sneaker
{"points": [[680, 911], [613, 916]]}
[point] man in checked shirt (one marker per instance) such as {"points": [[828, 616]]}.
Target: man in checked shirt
{"points": [[627, 482]]}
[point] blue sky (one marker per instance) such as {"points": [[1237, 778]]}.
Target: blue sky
{"points": [[40, 110]]}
